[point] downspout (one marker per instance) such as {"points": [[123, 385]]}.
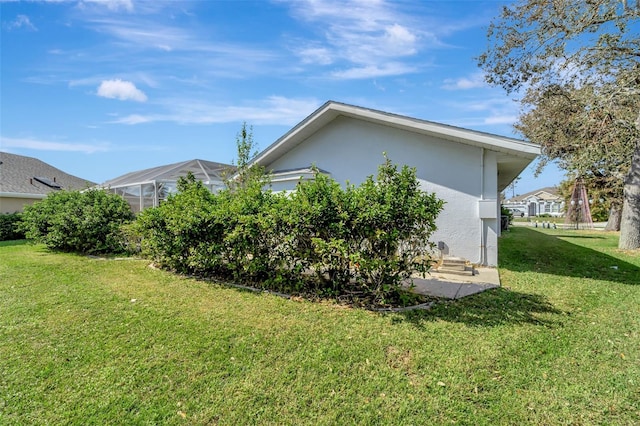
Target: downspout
{"points": [[482, 241]]}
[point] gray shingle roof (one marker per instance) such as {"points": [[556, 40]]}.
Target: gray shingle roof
{"points": [[549, 189], [18, 175], [202, 170]]}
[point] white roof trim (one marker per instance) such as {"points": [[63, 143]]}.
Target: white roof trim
{"points": [[22, 195], [331, 110]]}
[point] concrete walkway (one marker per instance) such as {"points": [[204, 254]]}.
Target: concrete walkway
{"points": [[451, 286]]}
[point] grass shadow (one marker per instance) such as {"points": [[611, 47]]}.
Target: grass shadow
{"points": [[11, 243], [490, 308], [553, 252]]}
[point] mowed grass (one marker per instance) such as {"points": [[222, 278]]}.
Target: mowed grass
{"points": [[90, 341]]}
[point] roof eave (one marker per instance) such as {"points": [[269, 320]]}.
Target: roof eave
{"points": [[331, 110]]}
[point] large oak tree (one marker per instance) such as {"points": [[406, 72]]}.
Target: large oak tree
{"points": [[590, 51], [589, 134]]}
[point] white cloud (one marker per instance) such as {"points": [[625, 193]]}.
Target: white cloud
{"points": [[98, 79], [473, 81], [43, 145], [501, 119], [492, 103], [21, 21], [146, 34], [372, 71], [488, 109], [315, 55], [122, 90], [400, 39], [198, 52], [370, 35], [274, 110], [114, 5], [135, 119]]}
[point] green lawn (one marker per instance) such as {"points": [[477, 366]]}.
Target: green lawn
{"points": [[89, 341]]}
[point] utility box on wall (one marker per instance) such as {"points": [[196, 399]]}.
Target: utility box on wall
{"points": [[488, 209]]}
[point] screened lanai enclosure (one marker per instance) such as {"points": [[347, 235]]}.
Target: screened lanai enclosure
{"points": [[149, 187]]}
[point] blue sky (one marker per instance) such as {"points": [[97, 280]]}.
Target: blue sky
{"points": [[99, 88]]}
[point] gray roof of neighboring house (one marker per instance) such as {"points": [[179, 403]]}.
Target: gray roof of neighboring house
{"points": [[552, 190], [203, 170], [28, 175]]}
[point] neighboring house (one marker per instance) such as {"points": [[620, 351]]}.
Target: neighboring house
{"points": [[545, 201], [25, 180], [465, 168], [148, 187]]}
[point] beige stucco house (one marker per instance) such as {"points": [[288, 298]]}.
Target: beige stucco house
{"points": [[544, 201]]}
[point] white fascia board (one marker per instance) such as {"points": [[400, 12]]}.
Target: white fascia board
{"points": [[22, 195], [292, 177], [299, 132], [125, 185], [469, 137], [330, 110]]}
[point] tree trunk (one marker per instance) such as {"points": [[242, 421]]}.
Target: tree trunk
{"points": [[630, 221], [615, 215]]}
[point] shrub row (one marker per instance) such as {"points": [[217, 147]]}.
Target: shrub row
{"points": [[321, 238], [362, 241], [74, 221], [10, 227]]}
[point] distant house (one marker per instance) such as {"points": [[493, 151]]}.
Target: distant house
{"points": [[25, 180], [465, 168], [148, 187], [545, 201]]}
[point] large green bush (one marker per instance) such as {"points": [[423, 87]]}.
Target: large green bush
{"points": [[10, 227], [78, 221], [363, 241], [368, 238], [185, 233]]}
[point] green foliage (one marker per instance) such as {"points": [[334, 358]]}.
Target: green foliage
{"points": [[88, 342], [321, 238], [600, 203], [10, 227], [578, 64], [318, 221], [587, 133], [245, 173], [74, 221], [538, 42], [506, 212], [184, 232]]}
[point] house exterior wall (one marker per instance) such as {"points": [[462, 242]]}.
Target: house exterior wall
{"points": [[462, 175], [536, 206], [16, 204]]}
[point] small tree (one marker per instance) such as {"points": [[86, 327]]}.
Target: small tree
{"points": [[245, 174]]}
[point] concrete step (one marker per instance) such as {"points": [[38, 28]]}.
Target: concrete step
{"points": [[465, 272], [454, 260], [454, 266]]}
